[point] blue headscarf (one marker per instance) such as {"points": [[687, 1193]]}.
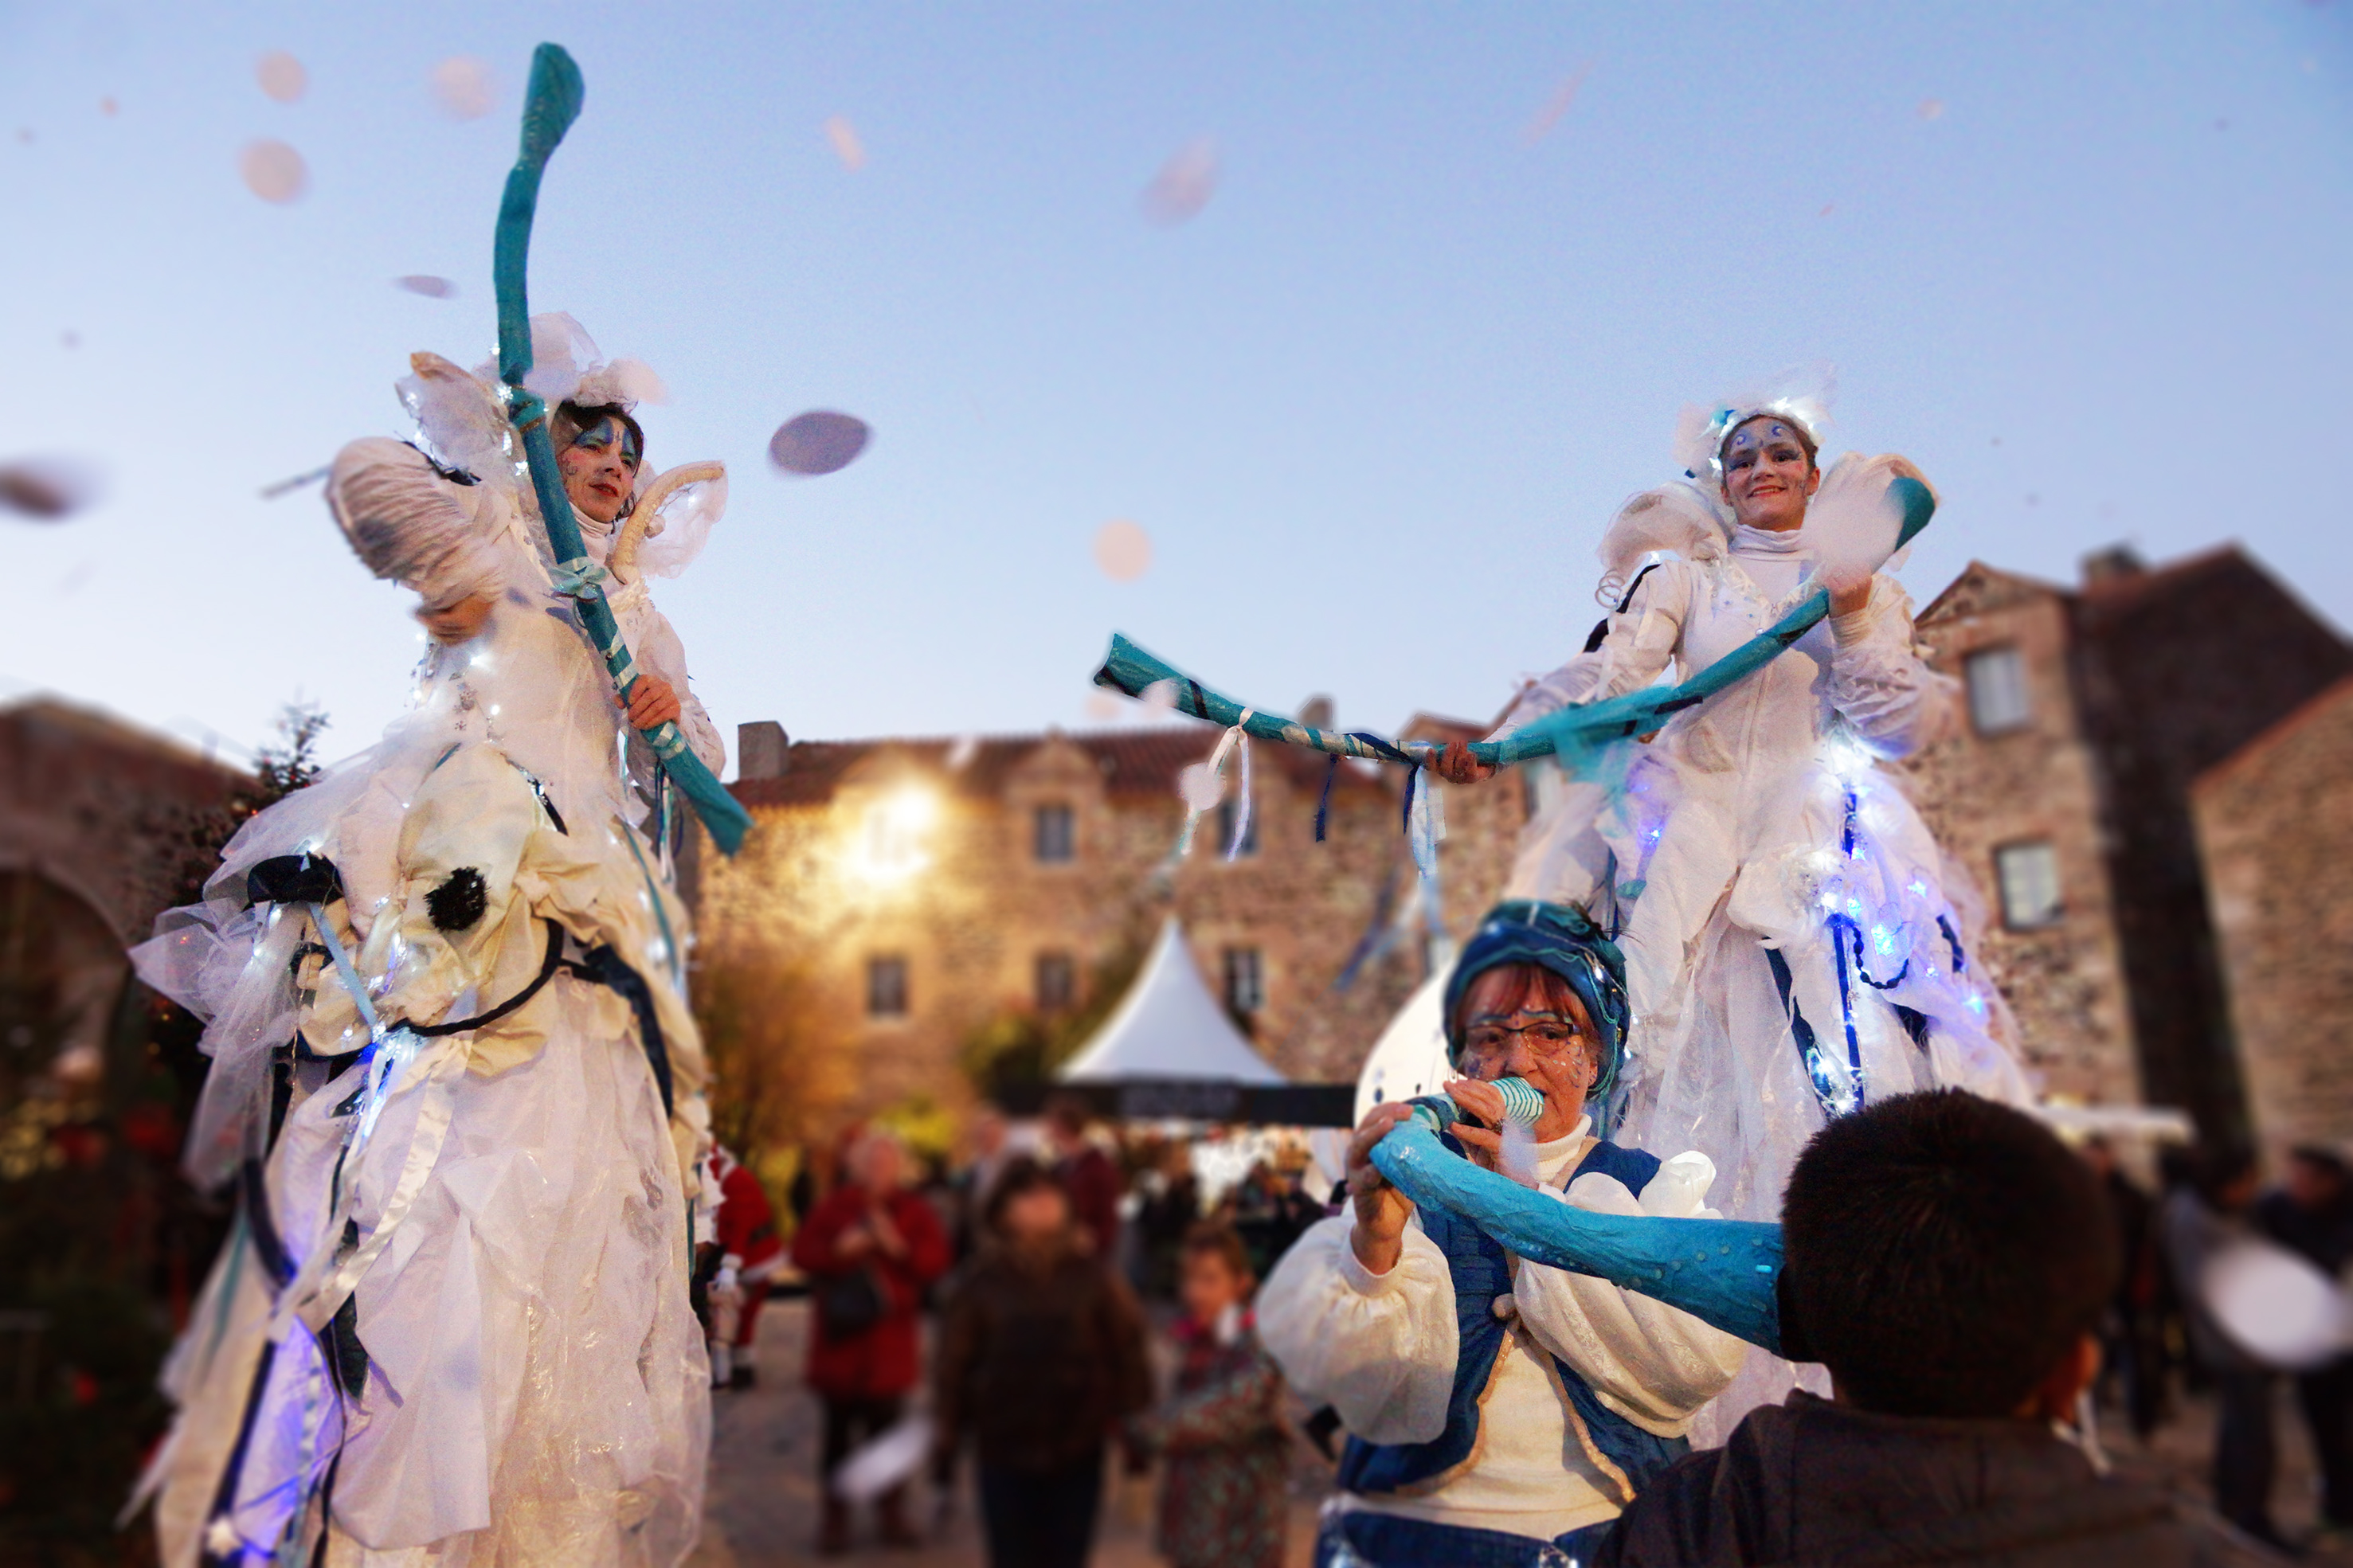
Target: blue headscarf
{"points": [[1562, 940]]}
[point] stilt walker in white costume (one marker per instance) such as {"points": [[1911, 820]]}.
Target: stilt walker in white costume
{"points": [[454, 1076], [1796, 942]]}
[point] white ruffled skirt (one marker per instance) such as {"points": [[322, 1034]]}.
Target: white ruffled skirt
{"points": [[535, 1387], [1797, 946]]}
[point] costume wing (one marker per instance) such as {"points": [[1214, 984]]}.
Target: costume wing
{"points": [[1677, 518], [672, 520]]}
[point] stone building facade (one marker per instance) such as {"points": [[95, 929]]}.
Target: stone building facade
{"points": [[2014, 777], [2276, 829], [2065, 792], [923, 890], [100, 828]]}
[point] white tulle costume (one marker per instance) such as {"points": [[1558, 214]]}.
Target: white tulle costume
{"points": [[1796, 941], [453, 1325]]}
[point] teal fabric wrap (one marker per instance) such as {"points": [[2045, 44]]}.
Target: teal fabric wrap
{"points": [[578, 578], [1524, 1102], [1724, 1272], [1577, 736], [551, 104]]}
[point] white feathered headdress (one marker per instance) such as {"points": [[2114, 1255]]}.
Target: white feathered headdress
{"points": [[1851, 523], [1688, 517], [1802, 395]]}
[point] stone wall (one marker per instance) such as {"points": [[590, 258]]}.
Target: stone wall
{"points": [[2275, 826], [969, 907], [98, 808], [1978, 792]]}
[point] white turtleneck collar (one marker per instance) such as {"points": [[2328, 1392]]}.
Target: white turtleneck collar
{"points": [[1747, 540], [596, 538]]}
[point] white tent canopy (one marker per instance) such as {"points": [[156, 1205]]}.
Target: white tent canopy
{"points": [[1169, 1026]]}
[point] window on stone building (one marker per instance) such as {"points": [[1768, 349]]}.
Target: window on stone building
{"points": [[2028, 875], [1245, 981], [1058, 981], [1997, 697], [886, 987], [1227, 811], [1054, 836]]}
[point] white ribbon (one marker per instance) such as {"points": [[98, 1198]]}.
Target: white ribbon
{"points": [[1242, 816], [325, 1283], [1193, 807]]}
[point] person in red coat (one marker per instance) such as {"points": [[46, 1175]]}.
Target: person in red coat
{"points": [[870, 1248]]}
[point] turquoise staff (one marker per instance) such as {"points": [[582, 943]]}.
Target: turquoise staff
{"points": [[1575, 735], [550, 106]]}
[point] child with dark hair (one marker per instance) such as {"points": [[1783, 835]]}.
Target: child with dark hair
{"points": [[1947, 1258], [1222, 1436]]}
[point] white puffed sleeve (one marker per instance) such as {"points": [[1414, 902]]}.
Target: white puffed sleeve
{"points": [[1651, 1362], [662, 656], [411, 523], [1879, 684], [1378, 1347], [1641, 639]]}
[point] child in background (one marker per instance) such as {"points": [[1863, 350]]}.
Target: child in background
{"points": [[1222, 1435]]}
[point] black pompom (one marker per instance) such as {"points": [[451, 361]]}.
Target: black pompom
{"points": [[458, 901]]}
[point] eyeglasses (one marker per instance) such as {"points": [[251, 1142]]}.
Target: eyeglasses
{"points": [[1548, 1032]]}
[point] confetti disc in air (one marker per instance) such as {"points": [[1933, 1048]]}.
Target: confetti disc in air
{"points": [[845, 144], [2275, 1305], [1931, 108], [465, 88], [1563, 98], [1123, 549], [819, 442], [45, 490], [1183, 186], [1104, 707], [424, 283], [282, 76], [273, 171], [1201, 786]]}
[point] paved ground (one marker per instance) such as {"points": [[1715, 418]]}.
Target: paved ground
{"points": [[763, 1504], [762, 1511]]}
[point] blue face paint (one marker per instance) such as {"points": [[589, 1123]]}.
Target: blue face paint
{"points": [[1751, 439], [606, 431]]}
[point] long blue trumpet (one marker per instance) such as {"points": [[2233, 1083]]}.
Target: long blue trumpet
{"points": [[1575, 735], [1725, 1273], [550, 106]]}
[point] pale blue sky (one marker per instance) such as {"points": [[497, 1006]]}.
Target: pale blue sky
{"points": [[1374, 404]]}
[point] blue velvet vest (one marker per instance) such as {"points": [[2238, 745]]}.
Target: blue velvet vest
{"points": [[1482, 1272]]}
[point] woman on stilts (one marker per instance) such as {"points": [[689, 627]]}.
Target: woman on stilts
{"points": [[1796, 942], [455, 1082]]}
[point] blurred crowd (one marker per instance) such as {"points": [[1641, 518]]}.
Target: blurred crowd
{"points": [[2166, 1338], [1049, 1273], [1007, 1311]]}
